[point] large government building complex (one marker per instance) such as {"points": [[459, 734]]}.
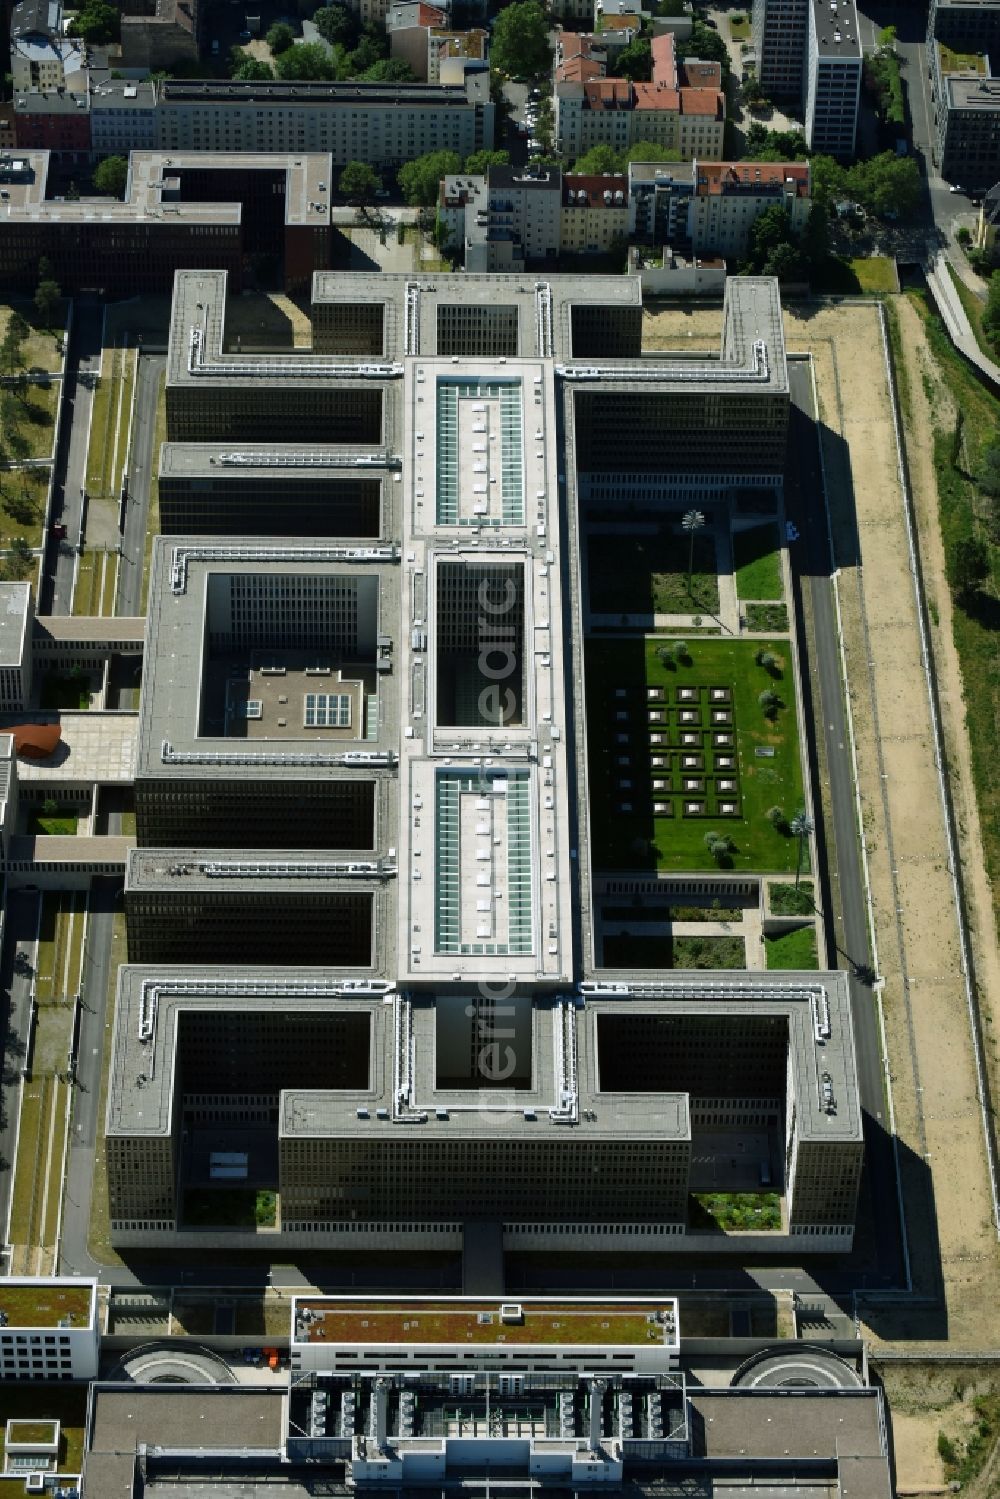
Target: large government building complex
{"points": [[365, 913]]}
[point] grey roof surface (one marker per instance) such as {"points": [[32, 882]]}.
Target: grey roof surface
{"points": [[35, 17], [275, 460], [88, 629], [801, 1424], [793, 995], [972, 93], [15, 608], [835, 25], [175, 645], [308, 95], [242, 869]]}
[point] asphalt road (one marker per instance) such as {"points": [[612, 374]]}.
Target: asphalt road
{"points": [[138, 478], [83, 367], [74, 1258], [20, 931], [812, 566]]}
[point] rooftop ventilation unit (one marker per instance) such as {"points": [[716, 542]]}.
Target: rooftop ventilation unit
{"points": [[511, 1312]]}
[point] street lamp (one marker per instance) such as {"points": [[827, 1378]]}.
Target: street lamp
{"points": [[691, 522], [801, 825]]}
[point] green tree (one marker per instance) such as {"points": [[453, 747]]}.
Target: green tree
{"points": [[97, 23], [479, 163], [599, 161], [521, 40], [419, 179], [388, 70], [829, 180], [336, 25], [991, 312], [751, 92], [886, 183], [359, 180], [279, 38], [305, 61], [706, 45], [649, 151], [47, 299], [247, 69], [111, 176], [814, 241], [774, 145], [968, 566], [635, 61]]}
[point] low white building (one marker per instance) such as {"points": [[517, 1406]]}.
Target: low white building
{"points": [[48, 1329]]}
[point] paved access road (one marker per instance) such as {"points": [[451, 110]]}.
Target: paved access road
{"points": [[20, 931], [83, 368], [142, 465]]}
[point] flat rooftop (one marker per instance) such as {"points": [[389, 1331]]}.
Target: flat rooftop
{"points": [[285, 462], [242, 869], [572, 1323], [308, 95], [836, 30], [971, 94], [208, 651], [96, 748], [154, 193], [15, 607], [41, 1303]]}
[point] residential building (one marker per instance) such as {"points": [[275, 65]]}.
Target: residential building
{"points": [[385, 124], [122, 117], [594, 215], [578, 58], [780, 31], [58, 123], [708, 208], [682, 108], [420, 35], [833, 77], [967, 129], [41, 57], [48, 1329], [179, 212], [729, 197], [505, 219], [158, 34], [17, 617]]}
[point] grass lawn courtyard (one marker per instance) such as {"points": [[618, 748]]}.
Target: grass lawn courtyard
{"points": [[644, 571], [758, 562], [681, 749], [796, 949]]}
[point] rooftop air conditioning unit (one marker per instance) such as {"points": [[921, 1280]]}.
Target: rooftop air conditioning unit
{"points": [[511, 1311]]}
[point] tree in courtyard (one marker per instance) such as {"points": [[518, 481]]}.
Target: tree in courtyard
{"points": [[776, 817], [769, 701], [247, 69], [47, 299], [359, 181], [111, 176], [720, 846], [419, 179], [388, 70], [801, 827], [279, 38], [336, 25], [97, 22], [991, 312], [599, 161], [304, 62], [635, 61], [520, 44], [648, 151], [479, 162]]}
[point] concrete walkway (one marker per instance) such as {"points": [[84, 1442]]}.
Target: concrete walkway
{"points": [[959, 328]]}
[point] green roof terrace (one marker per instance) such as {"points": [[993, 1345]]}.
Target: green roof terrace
{"points": [[333, 1321], [41, 1303]]}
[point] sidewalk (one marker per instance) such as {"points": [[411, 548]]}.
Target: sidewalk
{"points": [[959, 328]]}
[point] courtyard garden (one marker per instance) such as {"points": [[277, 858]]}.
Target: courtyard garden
{"points": [[645, 571], [757, 562], [694, 758]]}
